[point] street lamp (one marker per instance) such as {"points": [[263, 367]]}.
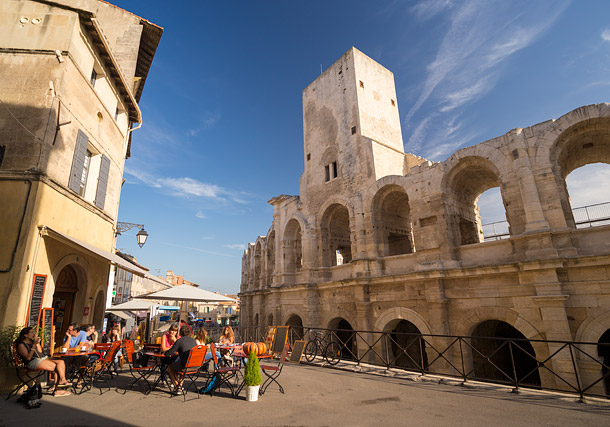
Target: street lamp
{"points": [[124, 226]]}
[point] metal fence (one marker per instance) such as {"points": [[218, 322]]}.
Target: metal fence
{"points": [[580, 368], [584, 216]]}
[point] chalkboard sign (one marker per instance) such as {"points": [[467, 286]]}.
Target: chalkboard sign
{"points": [[297, 351], [281, 335], [40, 281], [47, 330]]}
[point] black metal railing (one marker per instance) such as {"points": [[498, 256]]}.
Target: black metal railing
{"points": [[584, 216], [574, 367]]}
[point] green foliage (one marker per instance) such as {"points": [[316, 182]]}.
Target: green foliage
{"points": [[252, 374], [8, 335]]}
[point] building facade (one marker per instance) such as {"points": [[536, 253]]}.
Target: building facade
{"points": [[71, 77], [380, 240]]}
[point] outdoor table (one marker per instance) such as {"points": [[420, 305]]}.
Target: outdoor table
{"points": [[162, 367], [70, 357]]}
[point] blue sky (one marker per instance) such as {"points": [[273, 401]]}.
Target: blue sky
{"points": [[222, 129]]}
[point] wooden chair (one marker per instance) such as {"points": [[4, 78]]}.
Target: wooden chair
{"points": [[139, 373], [273, 371], [24, 374], [222, 374], [191, 370], [94, 372]]}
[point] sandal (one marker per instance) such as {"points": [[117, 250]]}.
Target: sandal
{"points": [[59, 393]]}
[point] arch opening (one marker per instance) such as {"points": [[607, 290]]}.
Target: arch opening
{"points": [[405, 345], [603, 351], [296, 327], [493, 342], [336, 236], [346, 337], [493, 216], [394, 230], [589, 201], [293, 250], [258, 260], [270, 258]]}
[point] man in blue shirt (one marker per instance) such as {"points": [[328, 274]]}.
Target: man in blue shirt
{"points": [[74, 336]]}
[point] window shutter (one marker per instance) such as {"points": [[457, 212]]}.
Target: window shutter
{"points": [[102, 182], [78, 163]]}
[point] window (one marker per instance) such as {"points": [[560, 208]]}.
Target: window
{"points": [[116, 114], [93, 77], [331, 171], [90, 172]]}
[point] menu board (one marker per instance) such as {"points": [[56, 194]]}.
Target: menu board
{"points": [[47, 330], [281, 335], [297, 351], [40, 281]]}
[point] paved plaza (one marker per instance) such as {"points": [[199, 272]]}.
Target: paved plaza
{"points": [[315, 396]]}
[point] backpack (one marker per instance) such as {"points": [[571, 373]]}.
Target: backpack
{"points": [[32, 397]]}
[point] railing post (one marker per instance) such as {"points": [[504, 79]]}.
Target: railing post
{"points": [[464, 376], [576, 374], [512, 361]]}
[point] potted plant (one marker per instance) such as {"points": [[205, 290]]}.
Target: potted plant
{"points": [[252, 378], [8, 377]]}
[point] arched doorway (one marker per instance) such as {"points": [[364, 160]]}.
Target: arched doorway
{"points": [[66, 287], [393, 221], [336, 237], [296, 327], [603, 351], [405, 347], [493, 342], [98, 310], [344, 334]]}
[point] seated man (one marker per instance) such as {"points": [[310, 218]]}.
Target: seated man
{"points": [[30, 351], [74, 336], [182, 347]]}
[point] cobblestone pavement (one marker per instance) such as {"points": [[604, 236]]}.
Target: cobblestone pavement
{"points": [[315, 396]]}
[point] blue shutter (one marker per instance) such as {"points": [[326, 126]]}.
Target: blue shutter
{"points": [[102, 182], [78, 162]]}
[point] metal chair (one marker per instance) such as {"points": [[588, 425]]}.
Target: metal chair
{"points": [[273, 371], [24, 374], [93, 372], [191, 370], [138, 373], [222, 374]]}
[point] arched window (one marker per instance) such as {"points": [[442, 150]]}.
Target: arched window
{"points": [[590, 201], [293, 250], [258, 261], [392, 217], [336, 239]]}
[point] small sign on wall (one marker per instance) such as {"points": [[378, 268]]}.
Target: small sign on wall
{"points": [[86, 312]]}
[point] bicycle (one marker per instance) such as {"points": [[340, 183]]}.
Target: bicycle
{"points": [[324, 346]]}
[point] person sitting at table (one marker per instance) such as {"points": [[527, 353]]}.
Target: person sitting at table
{"points": [[201, 339], [170, 337], [74, 336], [114, 334], [91, 334], [182, 347], [30, 351], [227, 337]]}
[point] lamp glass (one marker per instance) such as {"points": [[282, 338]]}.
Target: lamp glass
{"points": [[142, 236]]}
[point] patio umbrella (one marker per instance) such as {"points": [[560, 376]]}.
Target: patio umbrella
{"points": [[134, 305], [184, 293]]}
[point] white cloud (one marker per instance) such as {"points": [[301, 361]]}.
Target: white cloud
{"points": [[606, 35], [199, 250], [480, 38], [240, 247], [207, 122], [200, 215]]}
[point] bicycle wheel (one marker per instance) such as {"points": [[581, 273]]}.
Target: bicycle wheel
{"points": [[311, 350], [332, 353]]}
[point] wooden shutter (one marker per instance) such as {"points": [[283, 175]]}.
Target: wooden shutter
{"points": [[78, 163], [102, 182]]}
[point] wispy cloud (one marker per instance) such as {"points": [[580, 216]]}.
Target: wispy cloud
{"points": [[480, 39], [606, 35], [199, 250], [187, 187], [207, 122], [200, 215], [240, 247]]}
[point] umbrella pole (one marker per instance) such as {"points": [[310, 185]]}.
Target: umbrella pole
{"points": [[182, 312]]}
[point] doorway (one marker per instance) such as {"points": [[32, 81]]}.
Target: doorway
{"points": [[66, 287]]}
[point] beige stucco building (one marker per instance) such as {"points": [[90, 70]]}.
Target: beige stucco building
{"points": [[71, 75], [380, 240]]}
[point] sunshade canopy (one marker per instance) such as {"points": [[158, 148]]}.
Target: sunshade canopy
{"points": [[133, 305], [187, 293]]}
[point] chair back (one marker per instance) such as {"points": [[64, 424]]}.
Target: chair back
{"points": [[17, 360], [112, 352], [102, 346], [129, 349], [196, 357], [214, 356]]}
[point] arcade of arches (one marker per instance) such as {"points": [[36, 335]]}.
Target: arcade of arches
{"points": [[397, 238]]}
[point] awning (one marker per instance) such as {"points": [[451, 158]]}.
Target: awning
{"points": [[133, 305], [102, 254], [169, 307], [186, 293]]}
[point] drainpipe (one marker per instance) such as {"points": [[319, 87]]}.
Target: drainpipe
{"points": [[25, 208]]}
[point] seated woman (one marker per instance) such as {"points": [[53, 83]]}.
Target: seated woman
{"points": [[227, 337], [170, 337], [201, 339], [29, 349]]}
